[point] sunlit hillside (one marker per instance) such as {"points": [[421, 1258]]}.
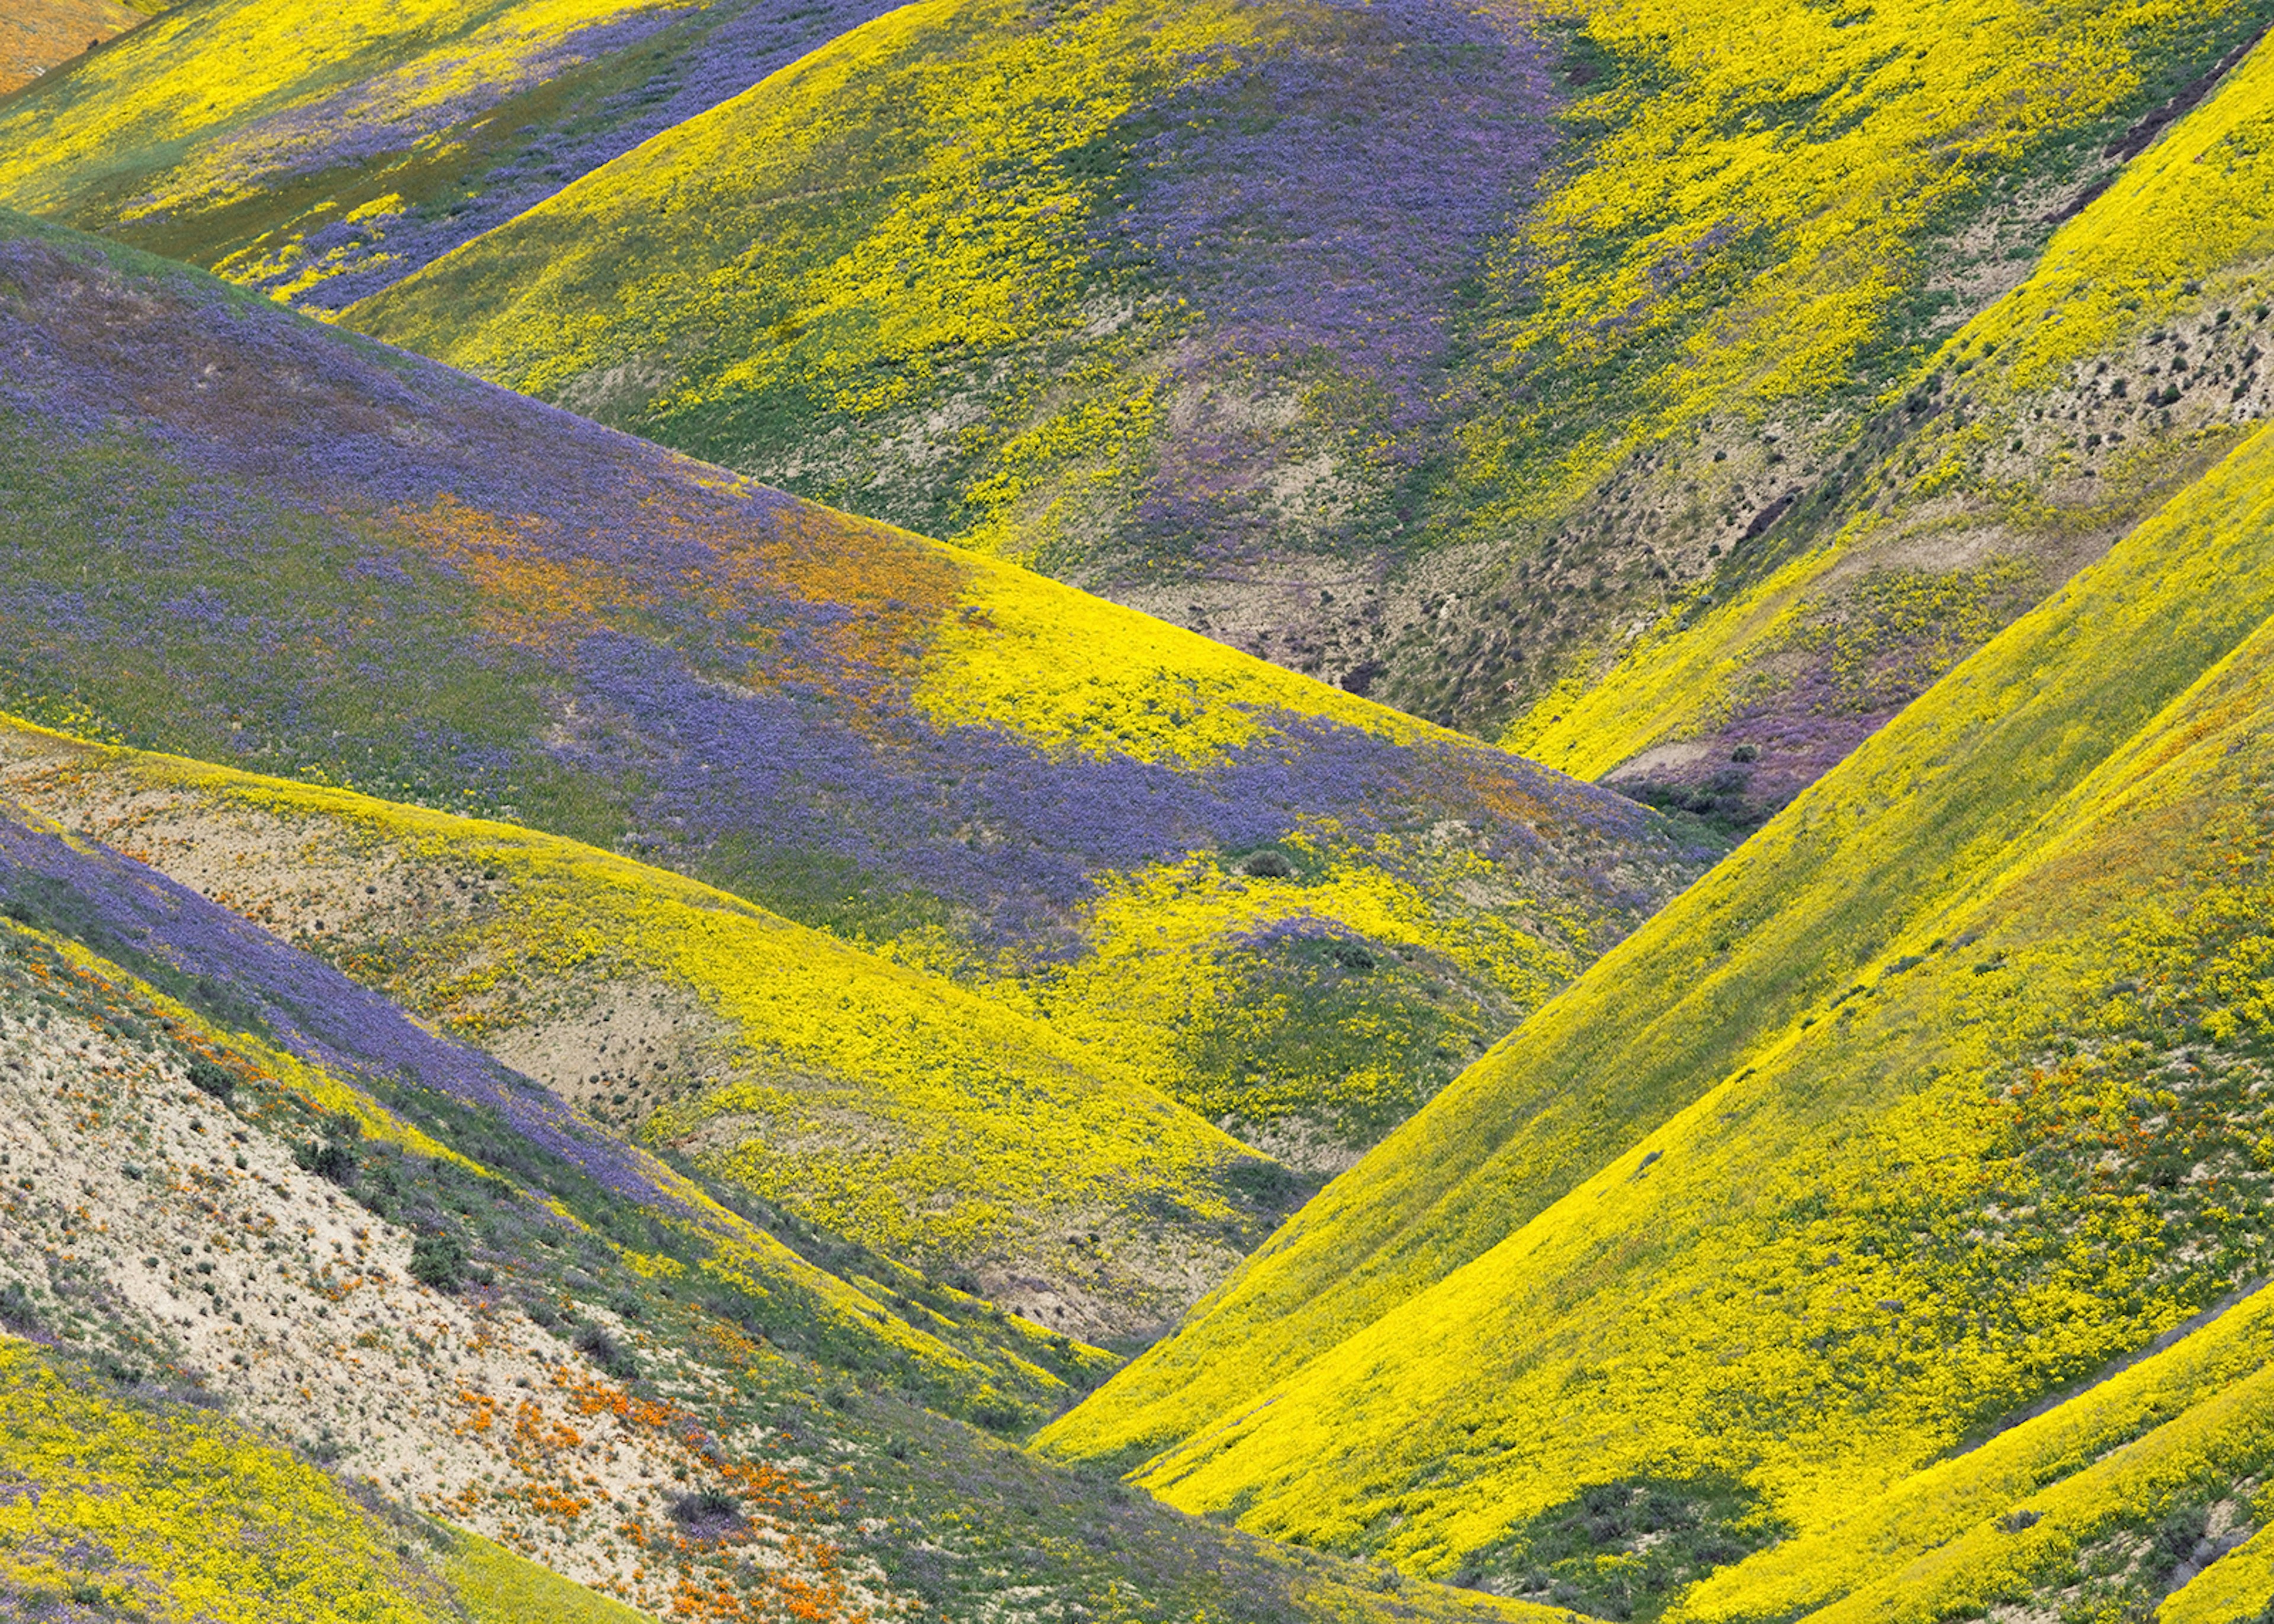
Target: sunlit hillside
{"points": [[1942, 1094], [1227, 333], [198, 1516], [2125, 365], [1451, 356], [322, 151], [233, 534], [471, 1347], [1253, 812]]}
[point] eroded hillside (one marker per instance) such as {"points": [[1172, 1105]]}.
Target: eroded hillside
{"points": [[858, 1094], [2123, 367], [431, 1298]]}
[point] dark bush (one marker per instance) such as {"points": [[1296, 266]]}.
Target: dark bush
{"points": [[209, 1079], [1001, 1419], [332, 1159], [708, 1515], [2176, 1538], [16, 1311], [1351, 956], [604, 1352], [438, 1260], [1269, 865]]}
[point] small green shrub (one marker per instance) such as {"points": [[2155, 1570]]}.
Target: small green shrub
{"points": [[604, 1352], [438, 1260], [16, 1310], [210, 1078], [708, 1515], [330, 1159]]}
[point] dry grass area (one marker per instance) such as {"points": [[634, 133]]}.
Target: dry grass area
{"points": [[37, 35]]}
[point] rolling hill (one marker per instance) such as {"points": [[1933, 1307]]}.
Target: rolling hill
{"points": [[473, 1350], [322, 151], [236, 536], [1405, 448], [861, 1096], [589, 1034], [1462, 358], [1938, 1097]]}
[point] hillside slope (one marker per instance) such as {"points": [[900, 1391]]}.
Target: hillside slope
{"points": [[863, 1097], [109, 1528], [1439, 353], [236, 1181], [1410, 346], [1937, 1095], [38, 35], [236, 535], [322, 152], [2122, 367]]}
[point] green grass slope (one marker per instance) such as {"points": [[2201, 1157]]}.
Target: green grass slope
{"points": [[2125, 364], [236, 535], [861, 1095], [1936, 1096]]}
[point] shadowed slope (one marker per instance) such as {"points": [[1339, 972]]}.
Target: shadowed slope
{"points": [[268, 1192], [1647, 1233], [933, 1126], [234, 534]]}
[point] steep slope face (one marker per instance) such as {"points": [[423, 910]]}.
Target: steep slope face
{"points": [[2145, 1488], [933, 1126], [37, 35], [1405, 345], [1776, 214], [159, 1217], [236, 535], [2123, 366], [274, 1195], [1943, 1092], [322, 152], [159, 1509]]}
